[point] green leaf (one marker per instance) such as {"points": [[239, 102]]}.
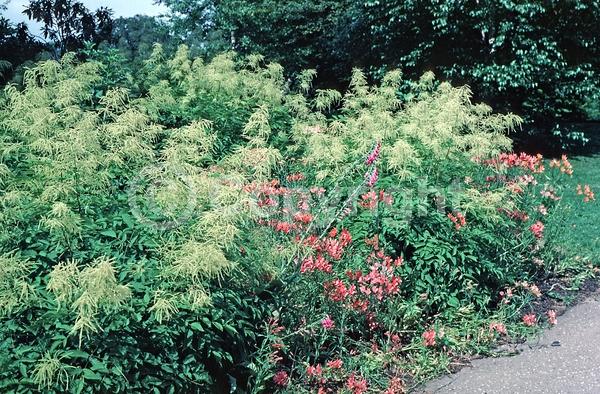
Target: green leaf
{"points": [[88, 374], [77, 354], [109, 233], [230, 329]]}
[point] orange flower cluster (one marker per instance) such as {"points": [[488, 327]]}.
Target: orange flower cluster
{"points": [[329, 247], [369, 200], [586, 191], [429, 338], [356, 385], [362, 288], [563, 165], [396, 386], [458, 219], [281, 378], [295, 177], [498, 327], [530, 320], [537, 229], [534, 164]]}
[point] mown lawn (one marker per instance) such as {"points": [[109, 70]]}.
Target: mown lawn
{"points": [[583, 230], [578, 230]]}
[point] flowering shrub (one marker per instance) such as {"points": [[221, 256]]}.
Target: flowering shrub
{"points": [[417, 247], [223, 229]]}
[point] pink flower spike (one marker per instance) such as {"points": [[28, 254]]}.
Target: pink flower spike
{"points": [[372, 158], [372, 178]]}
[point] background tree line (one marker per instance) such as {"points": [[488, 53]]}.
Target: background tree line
{"points": [[539, 59]]}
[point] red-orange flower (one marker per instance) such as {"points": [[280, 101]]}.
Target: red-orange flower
{"points": [[498, 327], [335, 364], [537, 229], [281, 378], [295, 177], [356, 384], [458, 219], [311, 264], [563, 165], [316, 370], [530, 320], [588, 194], [429, 338]]}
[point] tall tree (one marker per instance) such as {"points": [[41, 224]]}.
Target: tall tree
{"points": [[68, 24], [539, 59], [536, 58], [17, 46], [135, 36], [299, 34]]}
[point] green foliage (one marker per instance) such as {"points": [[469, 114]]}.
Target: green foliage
{"points": [[135, 36], [292, 33], [17, 46], [68, 24], [539, 60], [592, 106], [157, 219], [99, 294]]}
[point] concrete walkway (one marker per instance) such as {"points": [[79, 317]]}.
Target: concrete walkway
{"points": [[566, 359]]}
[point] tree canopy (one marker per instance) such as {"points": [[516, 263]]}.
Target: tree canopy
{"points": [[68, 24], [539, 59]]}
